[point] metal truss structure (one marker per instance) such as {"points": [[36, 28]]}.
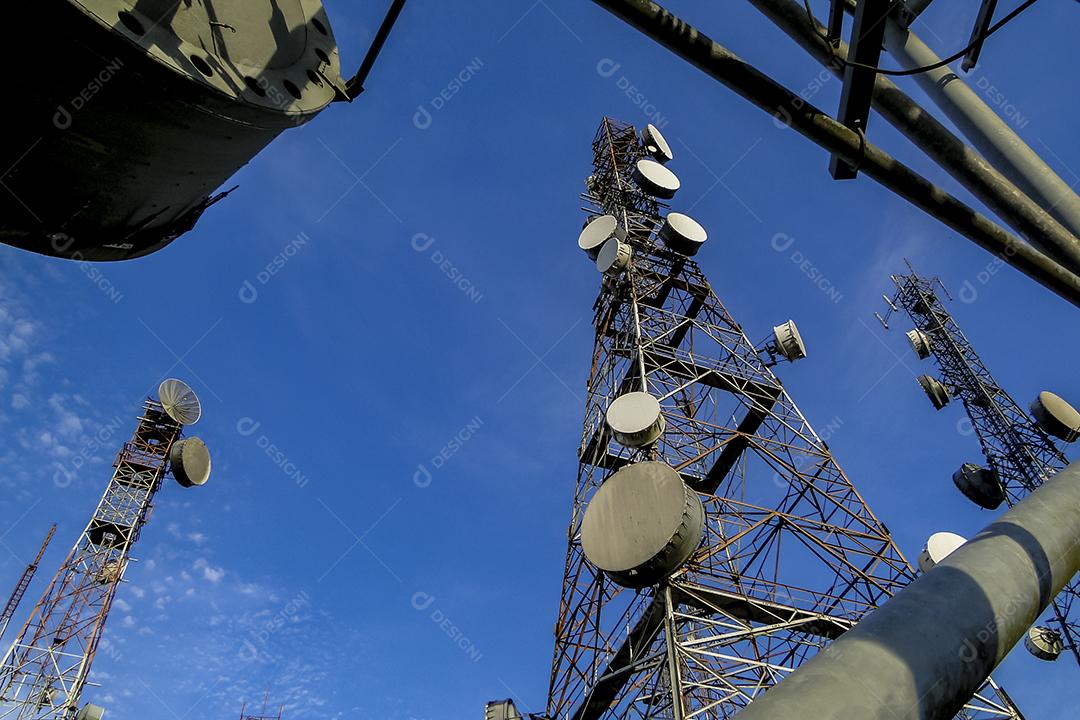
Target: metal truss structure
{"points": [[23, 584], [1020, 452], [792, 555], [44, 671]]}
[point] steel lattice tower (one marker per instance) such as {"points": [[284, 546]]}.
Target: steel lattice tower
{"points": [[44, 671], [1020, 452], [23, 584], [792, 556]]}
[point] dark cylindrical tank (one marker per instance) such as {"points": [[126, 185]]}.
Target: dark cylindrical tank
{"points": [[126, 116]]}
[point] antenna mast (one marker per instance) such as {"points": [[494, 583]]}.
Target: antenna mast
{"points": [[1019, 451], [45, 670], [23, 584]]}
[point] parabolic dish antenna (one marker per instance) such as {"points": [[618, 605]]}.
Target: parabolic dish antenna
{"points": [[1056, 416], [683, 234], [180, 401], [655, 179], [789, 341], [938, 547], [656, 143], [597, 232]]}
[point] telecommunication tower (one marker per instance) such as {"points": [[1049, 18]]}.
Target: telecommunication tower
{"points": [[43, 673], [714, 542], [22, 585], [1019, 448]]}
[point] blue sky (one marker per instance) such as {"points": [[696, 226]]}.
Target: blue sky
{"points": [[394, 417]]}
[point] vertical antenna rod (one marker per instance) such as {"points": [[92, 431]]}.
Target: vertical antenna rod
{"points": [[23, 584]]}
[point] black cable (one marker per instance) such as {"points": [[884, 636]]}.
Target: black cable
{"points": [[942, 63]]}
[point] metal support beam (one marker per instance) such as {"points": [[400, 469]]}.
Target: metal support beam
{"points": [[941, 145], [867, 36], [944, 633], [991, 135], [978, 33], [728, 68]]}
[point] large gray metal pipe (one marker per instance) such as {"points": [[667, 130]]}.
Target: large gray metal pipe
{"points": [[925, 652], [991, 135]]}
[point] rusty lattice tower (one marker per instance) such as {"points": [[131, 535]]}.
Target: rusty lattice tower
{"points": [[47, 666], [775, 553]]}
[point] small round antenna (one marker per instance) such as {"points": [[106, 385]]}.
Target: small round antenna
{"points": [[656, 144], [180, 401], [614, 256]]}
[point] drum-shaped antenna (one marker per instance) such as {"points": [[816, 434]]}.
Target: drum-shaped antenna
{"points": [[980, 485], [655, 179], [190, 462], [1044, 643], [614, 257], [635, 419], [789, 342], [937, 393], [683, 234], [642, 524], [180, 401], [1056, 416], [920, 343]]}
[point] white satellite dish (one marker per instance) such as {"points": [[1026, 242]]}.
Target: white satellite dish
{"points": [[614, 257], [935, 391], [656, 144], [940, 546], [597, 232], [1056, 416], [655, 179], [683, 234], [180, 401], [789, 342], [920, 343], [635, 419]]}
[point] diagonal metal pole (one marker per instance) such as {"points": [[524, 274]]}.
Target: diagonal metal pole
{"points": [[726, 67], [923, 653], [984, 128], [940, 144]]}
